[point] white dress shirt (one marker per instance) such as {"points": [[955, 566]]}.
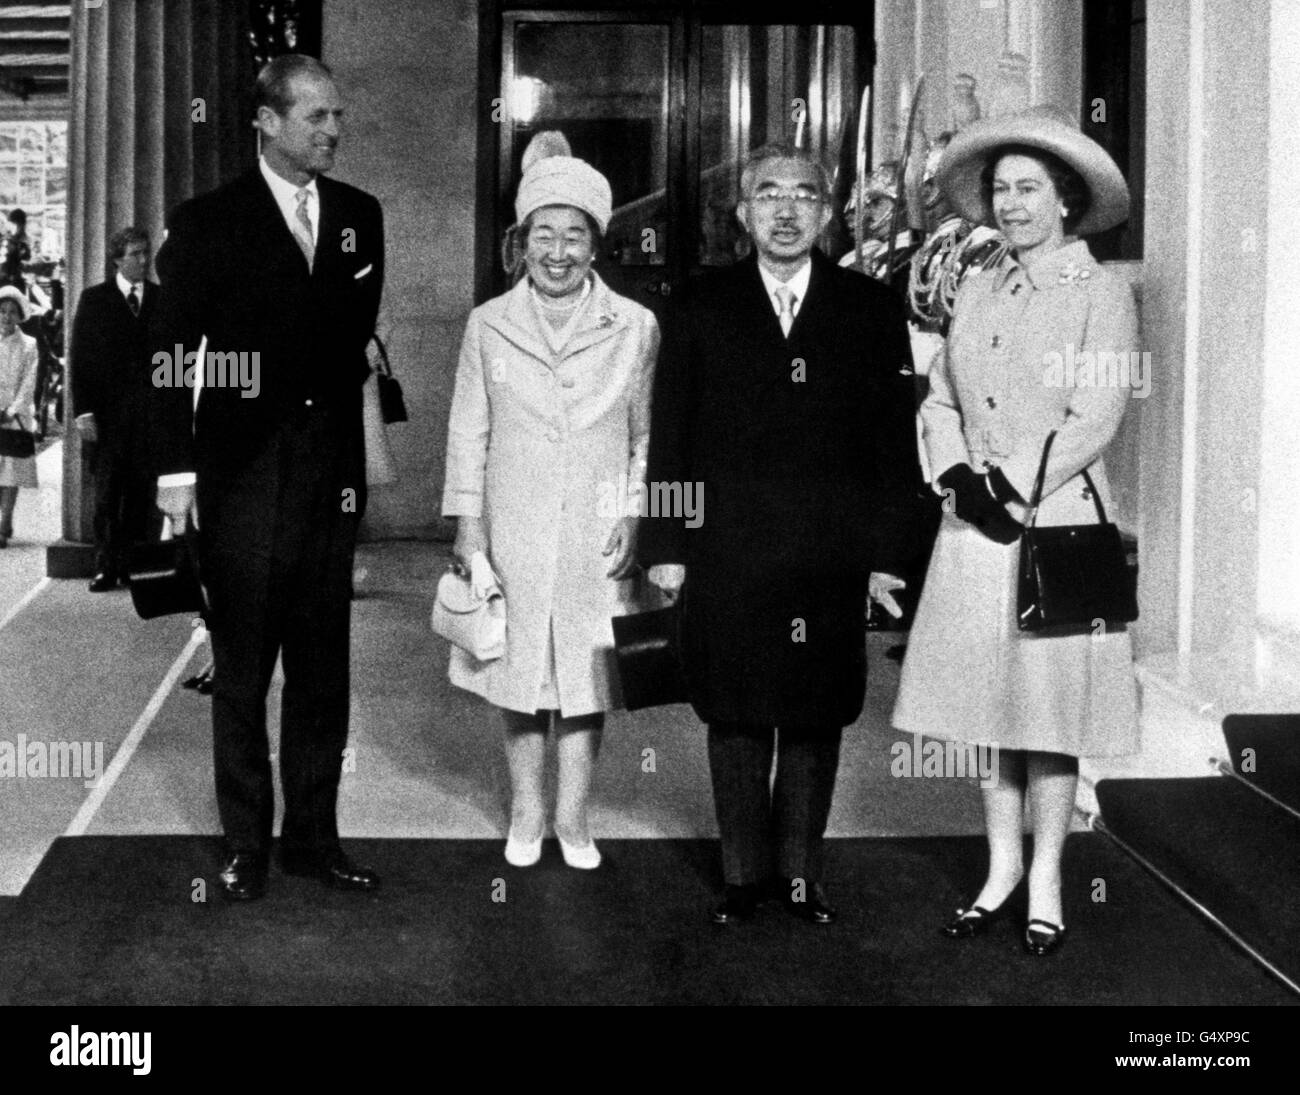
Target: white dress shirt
{"points": [[124, 287], [285, 194], [798, 285]]}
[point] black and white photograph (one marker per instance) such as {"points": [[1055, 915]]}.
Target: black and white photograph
{"points": [[650, 503]]}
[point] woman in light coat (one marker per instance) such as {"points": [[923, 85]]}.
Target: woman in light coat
{"points": [[545, 466], [18, 368], [1016, 368]]}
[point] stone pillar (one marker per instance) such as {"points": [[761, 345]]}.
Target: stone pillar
{"points": [[136, 148]]}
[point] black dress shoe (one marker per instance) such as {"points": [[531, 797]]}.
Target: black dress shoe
{"points": [[738, 904], [102, 582], [332, 868], [1042, 938], [808, 903], [243, 878]]}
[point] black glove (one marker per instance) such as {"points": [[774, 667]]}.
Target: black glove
{"points": [[974, 503]]}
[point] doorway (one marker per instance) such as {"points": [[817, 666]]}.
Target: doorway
{"points": [[666, 101]]}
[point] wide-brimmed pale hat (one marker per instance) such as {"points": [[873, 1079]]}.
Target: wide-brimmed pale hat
{"points": [[551, 176], [12, 292], [1039, 127]]}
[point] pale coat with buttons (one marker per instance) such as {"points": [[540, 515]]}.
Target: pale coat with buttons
{"points": [[1012, 373], [548, 447]]}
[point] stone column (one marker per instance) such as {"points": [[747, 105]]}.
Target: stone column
{"points": [[140, 141]]}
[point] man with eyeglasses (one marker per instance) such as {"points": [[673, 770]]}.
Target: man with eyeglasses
{"points": [[783, 388]]}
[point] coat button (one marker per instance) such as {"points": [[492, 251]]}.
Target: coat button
{"points": [[569, 382], [990, 401], [997, 341]]}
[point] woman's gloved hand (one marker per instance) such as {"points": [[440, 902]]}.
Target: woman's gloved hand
{"points": [[967, 494]]}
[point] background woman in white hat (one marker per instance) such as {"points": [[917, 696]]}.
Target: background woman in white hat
{"points": [[545, 457], [970, 674], [18, 367]]}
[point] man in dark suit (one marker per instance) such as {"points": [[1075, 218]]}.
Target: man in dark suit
{"points": [[110, 381], [784, 393], [282, 268]]}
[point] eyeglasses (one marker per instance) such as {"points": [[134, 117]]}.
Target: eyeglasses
{"points": [[802, 198]]}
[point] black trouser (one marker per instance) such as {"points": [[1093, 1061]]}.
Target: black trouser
{"points": [[276, 551], [772, 826], [125, 513]]}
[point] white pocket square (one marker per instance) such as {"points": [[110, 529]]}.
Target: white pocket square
{"points": [[363, 272]]}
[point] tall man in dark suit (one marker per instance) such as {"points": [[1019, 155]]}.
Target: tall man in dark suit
{"points": [[784, 393], [285, 266], [110, 382]]}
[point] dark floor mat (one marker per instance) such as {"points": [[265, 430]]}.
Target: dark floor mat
{"points": [[111, 920]]}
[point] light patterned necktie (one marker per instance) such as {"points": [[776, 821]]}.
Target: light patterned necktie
{"points": [[785, 299], [302, 230]]}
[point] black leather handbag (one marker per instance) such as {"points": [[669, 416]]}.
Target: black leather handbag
{"points": [[1072, 576], [165, 579], [17, 442], [648, 651], [392, 405]]}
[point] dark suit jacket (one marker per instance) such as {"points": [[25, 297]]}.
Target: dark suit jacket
{"points": [[808, 485], [231, 270], [110, 356]]}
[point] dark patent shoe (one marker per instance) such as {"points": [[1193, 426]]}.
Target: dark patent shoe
{"points": [[102, 582], [738, 905], [812, 906], [243, 878], [334, 869], [968, 923], [1045, 939]]}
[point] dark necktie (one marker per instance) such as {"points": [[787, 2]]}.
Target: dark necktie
{"points": [[133, 301]]}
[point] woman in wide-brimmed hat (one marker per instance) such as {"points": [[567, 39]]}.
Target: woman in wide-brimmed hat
{"points": [[545, 457], [18, 367], [970, 673]]}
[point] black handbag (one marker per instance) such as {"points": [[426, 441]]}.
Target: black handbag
{"points": [[647, 649], [1072, 576], [165, 579], [17, 442], [392, 405]]}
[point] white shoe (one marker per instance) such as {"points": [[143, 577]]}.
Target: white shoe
{"points": [[585, 857], [523, 853]]}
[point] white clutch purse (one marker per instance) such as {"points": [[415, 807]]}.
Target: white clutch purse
{"points": [[475, 624]]}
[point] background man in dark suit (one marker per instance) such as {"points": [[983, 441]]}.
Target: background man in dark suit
{"points": [[288, 265], [110, 382], [784, 388]]}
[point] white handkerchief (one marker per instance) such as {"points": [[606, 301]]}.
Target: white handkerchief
{"points": [[363, 272]]}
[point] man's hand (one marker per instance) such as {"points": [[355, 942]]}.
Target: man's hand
{"points": [[880, 590], [86, 427], [622, 545], [668, 577], [177, 502]]}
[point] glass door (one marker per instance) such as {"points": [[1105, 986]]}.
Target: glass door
{"points": [[666, 103]]}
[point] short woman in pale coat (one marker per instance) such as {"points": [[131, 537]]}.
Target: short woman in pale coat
{"points": [[1014, 370], [18, 367], [545, 465]]}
